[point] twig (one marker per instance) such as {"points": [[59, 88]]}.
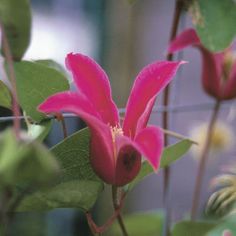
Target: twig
{"points": [[203, 160], [12, 78], [61, 119], [116, 205], [97, 230], [174, 28]]}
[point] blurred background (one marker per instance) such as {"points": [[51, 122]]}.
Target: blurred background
{"points": [[124, 38]]}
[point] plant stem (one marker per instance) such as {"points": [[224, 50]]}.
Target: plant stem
{"points": [[177, 13], [116, 205], [61, 119], [98, 230], [12, 78], [203, 160]]}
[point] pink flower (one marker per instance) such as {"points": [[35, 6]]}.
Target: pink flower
{"points": [[219, 69], [115, 150]]}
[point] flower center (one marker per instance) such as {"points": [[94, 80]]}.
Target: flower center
{"points": [[115, 131]]}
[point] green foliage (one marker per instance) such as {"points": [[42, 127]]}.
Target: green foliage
{"points": [[73, 156], [186, 228], [148, 224], [215, 22], [15, 16], [35, 83], [72, 194], [28, 224], [5, 96], [52, 64], [170, 154], [228, 223], [174, 152], [78, 186], [25, 161]]}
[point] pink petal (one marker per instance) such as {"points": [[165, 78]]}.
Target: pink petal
{"points": [[128, 160], [93, 82], [101, 149], [211, 72], [150, 142], [150, 81], [230, 88], [185, 39], [211, 63]]}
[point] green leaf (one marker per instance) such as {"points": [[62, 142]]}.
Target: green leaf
{"points": [[148, 224], [72, 194], [52, 64], [25, 161], [227, 223], [170, 154], [78, 187], [16, 19], [174, 152], [186, 228], [5, 96], [215, 22], [35, 83], [73, 156], [39, 131]]}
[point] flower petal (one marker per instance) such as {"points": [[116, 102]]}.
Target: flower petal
{"points": [[150, 81], [128, 162], [93, 82], [185, 39], [211, 63], [230, 88], [101, 147], [211, 72], [150, 142]]}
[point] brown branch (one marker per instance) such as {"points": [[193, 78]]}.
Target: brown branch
{"points": [[177, 13], [203, 160], [12, 79]]}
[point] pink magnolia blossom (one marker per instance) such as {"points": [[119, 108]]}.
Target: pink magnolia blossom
{"points": [[115, 150], [218, 69]]}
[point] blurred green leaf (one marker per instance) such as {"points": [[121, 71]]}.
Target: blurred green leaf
{"points": [[52, 64], [28, 224], [215, 22], [72, 194], [78, 187], [5, 96], [170, 154], [39, 131], [148, 224], [73, 156], [227, 223], [15, 16], [35, 83], [186, 228], [25, 161]]}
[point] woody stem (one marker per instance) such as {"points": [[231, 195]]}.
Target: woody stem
{"points": [[177, 13], [12, 78], [98, 230], [203, 160], [116, 205]]}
